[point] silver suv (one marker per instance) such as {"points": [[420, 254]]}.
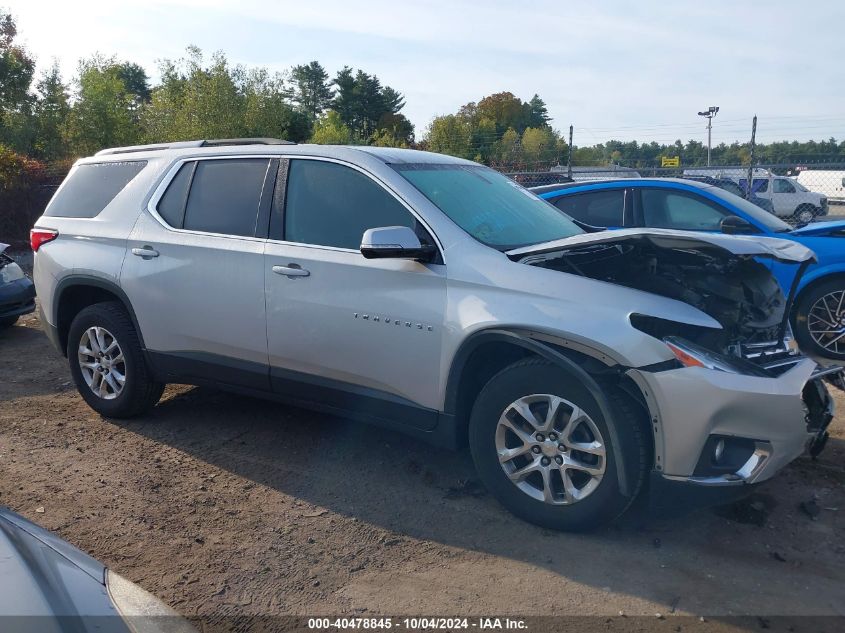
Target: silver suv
{"points": [[433, 295]]}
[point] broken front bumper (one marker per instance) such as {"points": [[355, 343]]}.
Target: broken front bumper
{"points": [[765, 421]]}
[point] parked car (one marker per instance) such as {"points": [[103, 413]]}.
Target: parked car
{"points": [[17, 292], [827, 182], [731, 187], [790, 199], [433, 295], [818, 317], [46, 584]]}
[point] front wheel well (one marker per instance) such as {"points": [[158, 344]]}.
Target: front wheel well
{"points": [[76, 298], [489, 358]]}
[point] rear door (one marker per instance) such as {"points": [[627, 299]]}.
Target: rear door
{"points": [[194, 272]]}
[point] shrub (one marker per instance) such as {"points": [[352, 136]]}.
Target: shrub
{"points": [[26, 186]]}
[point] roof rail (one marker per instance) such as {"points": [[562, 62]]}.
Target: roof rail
{"points": [[221, 142]]}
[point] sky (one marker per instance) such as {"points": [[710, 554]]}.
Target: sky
{"points": [[622, 70]]}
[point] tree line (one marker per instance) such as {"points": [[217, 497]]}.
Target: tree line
{"points": [[111, 102]]}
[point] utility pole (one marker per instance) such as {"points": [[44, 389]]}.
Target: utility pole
{"points": [[569, 158], [709, 113], [751, 158]]}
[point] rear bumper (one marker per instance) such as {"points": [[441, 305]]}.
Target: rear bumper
{"points": [[691, 404], [17, 298], [51, 331]]}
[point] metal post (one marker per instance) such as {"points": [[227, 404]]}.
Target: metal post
{"points": [[569, 158], [709, 113], [749, 187]]}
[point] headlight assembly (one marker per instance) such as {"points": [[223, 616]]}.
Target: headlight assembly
{"points": [[10, 272], [142, 611], [692, 355]]}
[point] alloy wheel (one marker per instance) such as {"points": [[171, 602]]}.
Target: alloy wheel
{"points": [[550, 449], [101, 362], [826, 321]]}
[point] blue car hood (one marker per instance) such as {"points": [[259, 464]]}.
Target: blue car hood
{"points": [[835, 228]]}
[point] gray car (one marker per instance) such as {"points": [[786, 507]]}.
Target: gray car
{"points": [[47, 585], [432, 295]]}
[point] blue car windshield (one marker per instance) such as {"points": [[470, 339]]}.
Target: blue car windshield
{"points": [[489, 206], [759, 216]]}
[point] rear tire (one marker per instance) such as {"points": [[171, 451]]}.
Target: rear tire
{"points": [[8, 322], [578, 490], [819, 311], [107, 362]]}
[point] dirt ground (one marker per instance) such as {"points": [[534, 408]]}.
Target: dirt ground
{"points": [[223, 505]]}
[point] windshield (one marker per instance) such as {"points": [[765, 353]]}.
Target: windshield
{"points": [[798, 185], [760, 216], [489, 206]]}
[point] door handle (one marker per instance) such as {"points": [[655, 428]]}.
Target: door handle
{"points": [[147, 252], [291, 270]]}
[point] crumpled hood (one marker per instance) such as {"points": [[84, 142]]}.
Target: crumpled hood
{"points": [[820, 229], [707, 243]]}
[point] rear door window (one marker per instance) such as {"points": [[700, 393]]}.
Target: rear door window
{"points": [[597, 208], [224, 196], [91, 187]]}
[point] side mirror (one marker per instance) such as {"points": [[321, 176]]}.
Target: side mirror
{"points": [[735, 225], [395, 242]]}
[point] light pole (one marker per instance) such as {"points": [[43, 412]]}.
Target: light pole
{"points": [[709, 114]]}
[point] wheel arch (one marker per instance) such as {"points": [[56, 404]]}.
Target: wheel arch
{"points": [[76, 292], [486, 353]]}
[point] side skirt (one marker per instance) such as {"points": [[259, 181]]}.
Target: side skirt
{"points": [[311, 392]]}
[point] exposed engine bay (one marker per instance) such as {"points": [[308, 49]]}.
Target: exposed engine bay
{"points": [[737, 291]]}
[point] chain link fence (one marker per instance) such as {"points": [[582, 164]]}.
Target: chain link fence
{"points": [[795, 193]]}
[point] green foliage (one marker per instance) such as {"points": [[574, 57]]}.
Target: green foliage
{"points": [[331, 130], [16, 66], [362, 104], [50, 115], [104, 111], [312, 89], [451, 134], [195, 101]]}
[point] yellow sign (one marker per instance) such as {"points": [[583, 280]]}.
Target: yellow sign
{"points": [[670, 161]]}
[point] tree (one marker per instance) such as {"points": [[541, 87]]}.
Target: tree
{"points": [[536, 112], [50, 115], [312, 92], [395, 130], [331, 130], [450, 134], [539, 145], [103, 114], [16, 67]]}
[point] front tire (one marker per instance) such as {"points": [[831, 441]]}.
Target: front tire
{"points": [[804, 214], [820, 320], [107, 362], [543, 448]]}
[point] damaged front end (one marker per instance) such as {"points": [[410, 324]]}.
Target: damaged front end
{"points": [[723, 276]]}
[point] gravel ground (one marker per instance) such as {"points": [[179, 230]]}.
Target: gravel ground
{"points": [[224, 505]]}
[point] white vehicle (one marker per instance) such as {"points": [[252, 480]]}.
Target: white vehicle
{"points": [[790, 198], [828, 182]]}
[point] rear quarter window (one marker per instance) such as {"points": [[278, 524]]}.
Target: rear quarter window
{"points": [[91, 187]]}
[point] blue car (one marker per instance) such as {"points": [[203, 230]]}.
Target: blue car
{"points": [[818, 318]]}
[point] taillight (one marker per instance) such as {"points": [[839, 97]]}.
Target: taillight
{"points": [[37, 237]]}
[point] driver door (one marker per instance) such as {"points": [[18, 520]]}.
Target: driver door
{"points": [[349, 333]]}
